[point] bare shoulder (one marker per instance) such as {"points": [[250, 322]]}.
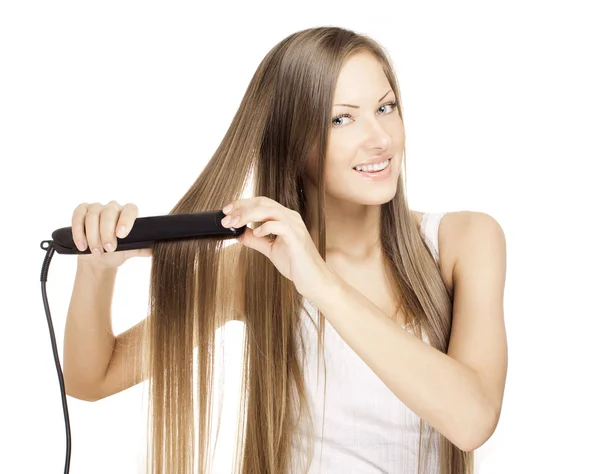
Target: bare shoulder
{"points": [[455, 232], [451, 231]]}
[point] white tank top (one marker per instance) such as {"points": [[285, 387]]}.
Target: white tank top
{"points": [[367, 428]]}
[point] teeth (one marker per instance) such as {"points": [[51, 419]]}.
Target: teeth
{"points": [[375, 167]]}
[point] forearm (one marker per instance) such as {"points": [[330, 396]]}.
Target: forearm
{"points": [[89, 340], [440, 390]]}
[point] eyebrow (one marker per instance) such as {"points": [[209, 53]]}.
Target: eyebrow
{"points": [[357, 107]]}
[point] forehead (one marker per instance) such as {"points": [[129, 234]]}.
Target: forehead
{"points": [[361, 77]]}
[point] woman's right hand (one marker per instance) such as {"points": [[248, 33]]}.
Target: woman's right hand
{"points": [[97, 227]]}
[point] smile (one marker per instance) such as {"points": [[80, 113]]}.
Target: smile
{"points": [[375, 172], [373, 167]]}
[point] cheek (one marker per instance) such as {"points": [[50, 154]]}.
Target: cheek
{"points": [[341, 153], [341, 150], [397, 133], [338, 167]]}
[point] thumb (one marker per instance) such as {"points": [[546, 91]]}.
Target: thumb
{"points": [[139, 253], [261, 244], [144, 253]]}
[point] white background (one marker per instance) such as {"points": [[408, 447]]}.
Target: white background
{"points": [[128, 100]]}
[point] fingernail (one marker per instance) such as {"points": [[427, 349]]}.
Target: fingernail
{"points": [[227, 208], [108, 247], [80, 245], [96, 252], [226, 221], [121, 232]]}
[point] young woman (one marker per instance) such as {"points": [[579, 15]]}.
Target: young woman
{"points": [[402, 310]]}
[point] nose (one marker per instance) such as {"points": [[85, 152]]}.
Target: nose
{"points": [[376, 136]]}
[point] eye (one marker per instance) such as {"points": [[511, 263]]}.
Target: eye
{"points": [[335, 120], [391, 105]]}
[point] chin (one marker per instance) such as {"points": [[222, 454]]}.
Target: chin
{"points": [[377, 198]]}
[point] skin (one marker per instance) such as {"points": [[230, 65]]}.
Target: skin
{"points": [[352, 206], [359, 304], [352, 203]]}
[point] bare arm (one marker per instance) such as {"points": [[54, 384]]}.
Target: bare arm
{"points": [[96, 363], [122, 372], [89, 340]]}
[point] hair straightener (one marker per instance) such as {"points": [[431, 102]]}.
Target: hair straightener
{"points": [[144, 233], [147, 230]]}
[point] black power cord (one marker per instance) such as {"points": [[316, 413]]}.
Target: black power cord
{"points": [[47, 245], [143, 234]]}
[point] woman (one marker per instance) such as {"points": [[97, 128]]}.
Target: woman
{"points": [[404, 308]]}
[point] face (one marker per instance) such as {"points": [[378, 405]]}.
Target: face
{"points": [[365, 125]]}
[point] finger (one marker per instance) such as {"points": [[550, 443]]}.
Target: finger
{"points": [[260, 238], [270, 227], [243, 204], [127, 218], [92, 228], [245, 212], [255, 201], [108, 218], [77, 226]]}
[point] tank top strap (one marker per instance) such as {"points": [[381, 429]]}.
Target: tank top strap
{"points": [[430, 229]]}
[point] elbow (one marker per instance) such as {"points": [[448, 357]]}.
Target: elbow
{"points": [[85, 397], [81, 393], [472, 442], [89, 398], [479, 432]]}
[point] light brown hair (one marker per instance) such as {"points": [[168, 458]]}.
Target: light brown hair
{"points": [[198, 285]]}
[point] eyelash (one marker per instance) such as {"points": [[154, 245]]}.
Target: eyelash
{"points": [[394, 104]]}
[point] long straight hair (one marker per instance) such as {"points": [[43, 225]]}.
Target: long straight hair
{"points": [[198, 285]]}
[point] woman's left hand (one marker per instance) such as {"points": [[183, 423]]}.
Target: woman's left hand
{"points": [[292, 251]]}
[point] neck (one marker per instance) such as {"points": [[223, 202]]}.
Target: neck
{"points": [[352, 229]]}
